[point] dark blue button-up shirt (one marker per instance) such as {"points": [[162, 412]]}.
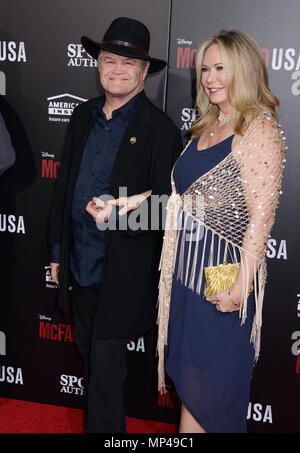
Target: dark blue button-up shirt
{"points": [[93, 179]]}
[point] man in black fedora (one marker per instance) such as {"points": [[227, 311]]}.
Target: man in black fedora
{"points": [[116, 141]]}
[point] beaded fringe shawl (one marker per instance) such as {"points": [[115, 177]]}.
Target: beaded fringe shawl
{"points": [[236, 201]]}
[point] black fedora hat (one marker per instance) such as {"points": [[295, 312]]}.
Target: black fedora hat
{"points": [[127, 37]]}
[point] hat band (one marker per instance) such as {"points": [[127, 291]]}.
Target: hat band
{"points": [[127, 44]]}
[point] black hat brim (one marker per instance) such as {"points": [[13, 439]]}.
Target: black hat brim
{"points": [[93, 48]]}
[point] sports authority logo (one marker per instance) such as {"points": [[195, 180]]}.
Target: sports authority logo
{"points": [[188, 116], [78, 57], [60, 107], [276, 59], [12, 51], [71, 384]]}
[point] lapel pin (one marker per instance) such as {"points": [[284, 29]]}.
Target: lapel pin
{"points": [[132, 140]]}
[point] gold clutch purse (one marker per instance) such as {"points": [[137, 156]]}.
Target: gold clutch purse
{"points": [[221, 277]]}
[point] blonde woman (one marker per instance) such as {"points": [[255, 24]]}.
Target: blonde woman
{"points": [[225, 189]]}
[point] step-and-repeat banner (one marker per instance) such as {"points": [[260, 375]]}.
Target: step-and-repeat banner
{"points": [[44, 74]]}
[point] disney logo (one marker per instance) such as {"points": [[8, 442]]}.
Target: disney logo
{"points": [[45, 154], [44, 318], [183, 41]]}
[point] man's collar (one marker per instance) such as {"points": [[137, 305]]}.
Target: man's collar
{"points": [[125, 110]]}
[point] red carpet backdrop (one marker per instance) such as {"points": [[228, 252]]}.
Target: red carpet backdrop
{"points": [[44, 74]]}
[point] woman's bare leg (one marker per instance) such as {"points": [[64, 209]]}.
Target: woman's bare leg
{"points": [[188, 424]]}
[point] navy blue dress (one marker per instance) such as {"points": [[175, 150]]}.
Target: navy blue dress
{"points": [[209, 356]]}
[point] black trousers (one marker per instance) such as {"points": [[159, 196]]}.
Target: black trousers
{"points": [[105, 364]]}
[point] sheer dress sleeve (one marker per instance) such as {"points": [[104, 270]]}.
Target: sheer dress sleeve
{"points": [[261, 156], [261, 160]]}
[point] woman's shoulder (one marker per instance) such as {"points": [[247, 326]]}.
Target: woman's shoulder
{"points": [[263, 122], [263, 133], [262, 126]]}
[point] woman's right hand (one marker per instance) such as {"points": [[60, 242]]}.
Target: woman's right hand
{"points": [[224, 301]]}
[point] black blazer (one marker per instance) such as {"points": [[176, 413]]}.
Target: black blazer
{"points": [[130, 271]]}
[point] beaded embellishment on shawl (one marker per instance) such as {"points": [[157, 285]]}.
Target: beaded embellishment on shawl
{"points": [[236, 202]]}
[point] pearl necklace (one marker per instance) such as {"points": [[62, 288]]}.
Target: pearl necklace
{"points": [[225, 119]]}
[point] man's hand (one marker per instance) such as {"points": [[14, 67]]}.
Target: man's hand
{"points": [[55, 272], [129, 203], [99, 210]]}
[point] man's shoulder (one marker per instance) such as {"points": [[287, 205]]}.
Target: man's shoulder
{"points": [[158, 116], [86, 107]]}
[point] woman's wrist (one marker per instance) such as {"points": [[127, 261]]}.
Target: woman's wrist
{"points": [[232, 298]]}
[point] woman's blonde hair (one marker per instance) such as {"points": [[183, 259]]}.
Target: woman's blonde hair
{"points": [[246, 81]]}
